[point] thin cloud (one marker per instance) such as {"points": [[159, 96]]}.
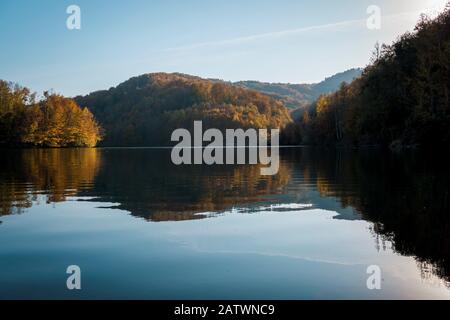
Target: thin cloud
{"points": [[284, 33]]}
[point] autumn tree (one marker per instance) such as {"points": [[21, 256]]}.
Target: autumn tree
{"points": [[54, 121]]}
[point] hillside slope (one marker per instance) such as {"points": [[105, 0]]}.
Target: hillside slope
{"points": [[144, 110]]}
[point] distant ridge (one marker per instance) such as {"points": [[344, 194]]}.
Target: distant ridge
{"points": [[295, 96]]}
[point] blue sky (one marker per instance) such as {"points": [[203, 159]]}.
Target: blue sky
{"points": [[268, 40]]}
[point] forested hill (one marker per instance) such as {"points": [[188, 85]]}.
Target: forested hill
{"points": [[144, 110], [402, 98], [300, 95]]}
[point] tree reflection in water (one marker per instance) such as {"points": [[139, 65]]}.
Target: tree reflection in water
{"points": [[406, 196]]}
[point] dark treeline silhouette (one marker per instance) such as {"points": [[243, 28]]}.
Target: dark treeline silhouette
{"points": [[144, 110], [401, 99], [54, 121]]}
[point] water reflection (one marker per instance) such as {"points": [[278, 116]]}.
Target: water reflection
{"points": [[405, 196], [25, 174]]}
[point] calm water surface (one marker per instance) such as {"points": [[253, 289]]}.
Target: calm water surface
{"points": [[140, 227]]}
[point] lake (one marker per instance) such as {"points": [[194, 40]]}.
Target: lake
{"points": [[140, 227]]}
